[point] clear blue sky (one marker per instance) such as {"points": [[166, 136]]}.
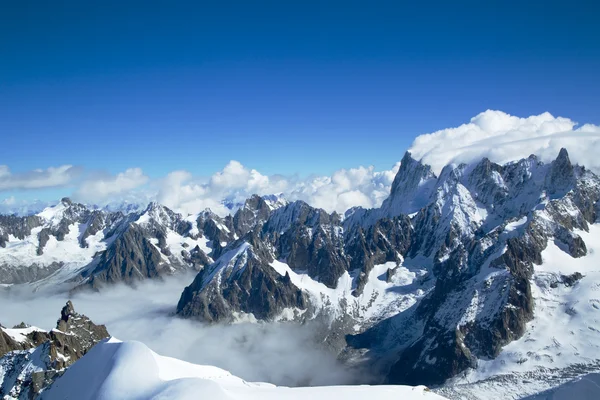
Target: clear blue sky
{"points": [[281, 86]]}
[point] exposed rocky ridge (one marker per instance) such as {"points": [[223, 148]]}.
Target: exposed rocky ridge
{"points": [[469, 238], [31, 359], [241, 281]]}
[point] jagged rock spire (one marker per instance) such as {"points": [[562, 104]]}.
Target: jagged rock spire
{"points": [[67, 311], [561, 176], [411, 187]]}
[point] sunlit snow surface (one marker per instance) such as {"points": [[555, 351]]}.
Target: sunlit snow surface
{"points": [[130, 370], [562, 341], [380, 299]]}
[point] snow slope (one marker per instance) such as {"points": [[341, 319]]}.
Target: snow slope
{"points": [[380, 298], [130, 370]]}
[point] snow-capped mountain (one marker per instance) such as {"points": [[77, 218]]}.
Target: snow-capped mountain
{"points": [[440, 278], [76, 245], [70, 243], [447, 282]]}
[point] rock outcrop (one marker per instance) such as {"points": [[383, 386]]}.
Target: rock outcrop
{"points": [[31, 358]]}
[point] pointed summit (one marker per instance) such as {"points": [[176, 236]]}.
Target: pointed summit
{"points": [[411, 171], [563, 158], [411, 187], [255, 210], [561, 176]]}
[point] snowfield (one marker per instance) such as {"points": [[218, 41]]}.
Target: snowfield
{"points": [[130, 370], [380, 299]]}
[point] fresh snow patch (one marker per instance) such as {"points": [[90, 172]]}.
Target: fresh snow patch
{"points": [[516, 224]]}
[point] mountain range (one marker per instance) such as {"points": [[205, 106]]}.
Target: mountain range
{"points": [[429, 289]]}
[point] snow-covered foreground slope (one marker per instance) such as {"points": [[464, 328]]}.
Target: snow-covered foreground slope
{"points": [[130, 370]]}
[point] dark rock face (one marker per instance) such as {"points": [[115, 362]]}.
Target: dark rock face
{"points": [[76, 335], [567, 280], [385, 241], [246, 284], [310, 240], [255, 211], [131, 258], [561, 176], [43, 238], [8, 344], [52, 352]]}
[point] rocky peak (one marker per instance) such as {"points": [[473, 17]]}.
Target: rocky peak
{"points": [[241, 281], [158, 213], [561, 176], [65, 314], [255, 210], [218, 230], [487, 183], [275, 201], [33, 362], [409, 169], [411, 187]]}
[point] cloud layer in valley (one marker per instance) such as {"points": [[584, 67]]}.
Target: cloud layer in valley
{"points": [[493, 134], [284, 354]]}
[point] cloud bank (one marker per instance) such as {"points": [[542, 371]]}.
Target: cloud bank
{"points": [[106, 187], [502, 138], [284, 354], [362, 186], [494, 134]]}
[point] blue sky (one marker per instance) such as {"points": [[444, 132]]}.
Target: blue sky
{"points": [[284, 87]]}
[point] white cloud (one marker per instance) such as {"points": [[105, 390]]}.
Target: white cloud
{"points": [[344, 189], [96, 189], [9, 201], [37, 178], [502, 137]]}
